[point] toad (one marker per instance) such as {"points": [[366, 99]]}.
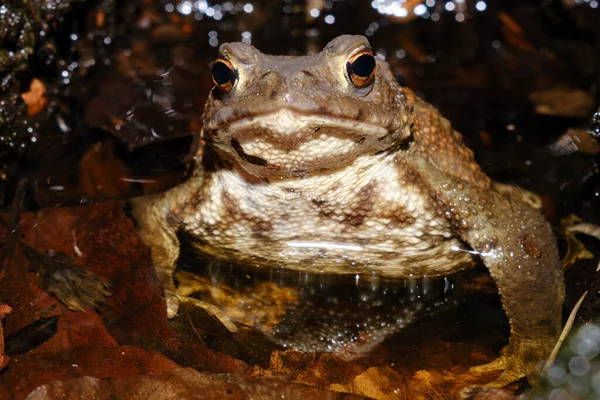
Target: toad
{"points": [[324, 164]]}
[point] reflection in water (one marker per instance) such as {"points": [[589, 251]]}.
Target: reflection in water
{"points": [[352, 320], [214, 10], [410, 9], [576, 373], [345, 315]]}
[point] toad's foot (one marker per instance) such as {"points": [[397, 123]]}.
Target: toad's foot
{"points": [[485, 393], [499, 364], [514, 364], [175, 301], [172, 301]]}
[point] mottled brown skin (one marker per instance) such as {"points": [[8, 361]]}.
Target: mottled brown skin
{"points": [[317, 175]]}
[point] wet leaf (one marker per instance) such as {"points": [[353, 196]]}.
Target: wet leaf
{"points": [[102, 174], [73, 285], [4, 309], [181, 383], [103, 239], [575, 140], [575, 248], [25, 373], [35, 98], [563, 101]]}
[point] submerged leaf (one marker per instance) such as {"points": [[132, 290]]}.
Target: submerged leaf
{"points": [[181, 383], [575, 248], [73, 285]]}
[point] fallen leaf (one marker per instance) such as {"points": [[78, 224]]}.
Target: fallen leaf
{"points": [[28, 372], [4, 309], [181, 383], [35, 98]]}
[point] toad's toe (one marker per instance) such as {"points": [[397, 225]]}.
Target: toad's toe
{"points": [[172, 301]]}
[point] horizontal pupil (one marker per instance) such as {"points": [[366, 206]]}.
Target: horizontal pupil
{"points": [[222, 74], [363, 65]]}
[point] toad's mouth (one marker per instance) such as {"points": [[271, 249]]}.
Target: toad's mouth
{"points": [[291, 143], [285, 124]]}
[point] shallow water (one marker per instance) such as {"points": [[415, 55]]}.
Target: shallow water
{"points": [[126, 82]]}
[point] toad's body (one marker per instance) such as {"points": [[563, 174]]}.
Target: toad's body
{"points": [[324, 164], [348, 221]]}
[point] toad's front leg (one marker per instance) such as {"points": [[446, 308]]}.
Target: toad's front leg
{"points": [[157, 225], [517, 246], [151, 216]]}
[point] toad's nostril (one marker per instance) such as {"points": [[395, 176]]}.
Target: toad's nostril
{"points": [[271, 83], [306, 76], [304, 79], [271, 77], [289, 98]]}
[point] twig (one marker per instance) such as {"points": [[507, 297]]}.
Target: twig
{"points": [[15, 219], [564, 333]]}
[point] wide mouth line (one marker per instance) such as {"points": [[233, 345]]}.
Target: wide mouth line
{"points": [[322, 119]]}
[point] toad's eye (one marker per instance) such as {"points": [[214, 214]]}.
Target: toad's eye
{"points": [[361, 68], [224, 74]]}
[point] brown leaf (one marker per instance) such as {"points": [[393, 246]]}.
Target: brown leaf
{"points": [[35, 98], [102, 239], [28, 372], [4, 309], [180, 383], [102, 174]]}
